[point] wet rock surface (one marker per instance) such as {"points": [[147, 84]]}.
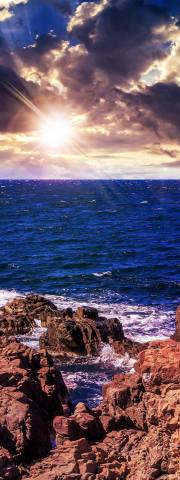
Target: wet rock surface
{"points": [[19, 315], [81, 332], [69, 333]]}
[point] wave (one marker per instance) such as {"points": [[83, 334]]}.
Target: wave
{"points": [[140, 322], [102, 274], [108, 357]]}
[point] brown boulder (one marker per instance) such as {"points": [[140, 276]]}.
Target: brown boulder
{"points": [[160, 364], [176, 335], [132, 435], [79, 333], [19, 315], [71, 337], [64, 462], [32, 392], [129, 346], [110, 330], [89, 422], [87, 312], [67, 428], [8, 469]]}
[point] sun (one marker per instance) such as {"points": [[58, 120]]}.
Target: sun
{"points": [[56, 132]]}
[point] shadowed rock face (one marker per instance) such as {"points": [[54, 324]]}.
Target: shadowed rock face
{"points": [[132, 435], [68, 333], [176, 335], [80, 333], [32, 393], [19, 315]]}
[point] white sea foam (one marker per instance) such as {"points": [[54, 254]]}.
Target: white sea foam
{"points": [[141, 323], [108, 356], [32, 339], [7, 296], [85, 382], [102, 274]]}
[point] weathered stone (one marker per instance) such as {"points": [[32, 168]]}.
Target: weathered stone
{"points": [[32, 392], [70, 337], [67, 428], [19, 315], [8, 469], [88, 422], [176, 335]]}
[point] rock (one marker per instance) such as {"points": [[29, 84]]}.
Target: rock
{"points": [[159, 364], [110, 329], [89, 423], [19, 315], [176, 335], [8, 469], [63, 463], [149, 398], [70, 337], [129, 346], [67, 428], [79, 333], [132, 435], [68, 333], [32, 392], [87, 312]]}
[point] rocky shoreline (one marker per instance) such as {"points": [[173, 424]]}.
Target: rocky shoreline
{"points": [[133, 434], [68, 333]]}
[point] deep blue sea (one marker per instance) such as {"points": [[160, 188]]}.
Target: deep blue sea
{"points": [[114, 244]]}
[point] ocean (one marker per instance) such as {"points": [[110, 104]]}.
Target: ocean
{"points": [[113, 244]]}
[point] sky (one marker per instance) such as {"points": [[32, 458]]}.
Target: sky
{"points": [[90, 89]]}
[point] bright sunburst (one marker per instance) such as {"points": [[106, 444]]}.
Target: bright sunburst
{"points": [[56, 132]]}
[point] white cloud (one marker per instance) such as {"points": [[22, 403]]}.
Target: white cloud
{"points": [[5, 8]]}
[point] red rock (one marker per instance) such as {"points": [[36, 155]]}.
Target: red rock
{"points": [[89, 423], [87, 312], [32, 392], [8, 469], [67, 428], [160, 363], [19, 315], [87, 467], [176, 335]]}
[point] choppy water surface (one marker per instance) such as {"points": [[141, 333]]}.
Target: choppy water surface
{"points": [[113, 244]]}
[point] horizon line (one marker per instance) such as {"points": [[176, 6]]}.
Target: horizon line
{"points": [[87, 179]]}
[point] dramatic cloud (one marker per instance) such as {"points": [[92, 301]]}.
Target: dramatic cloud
{"points": [[123, 38], [6, 8], [117, 66]]}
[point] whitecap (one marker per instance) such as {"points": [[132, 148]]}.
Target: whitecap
{"points": [[32, 338], [109, 357], [102, 274]]}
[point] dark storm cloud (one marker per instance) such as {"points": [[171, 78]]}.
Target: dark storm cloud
{"points": [[121, 38], [158, 106]]}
